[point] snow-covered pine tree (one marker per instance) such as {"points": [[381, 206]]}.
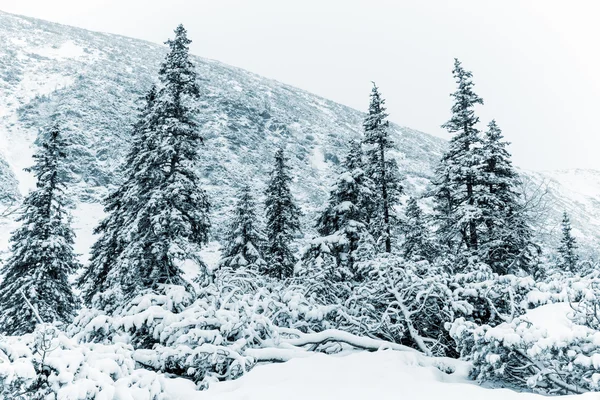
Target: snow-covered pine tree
{"points": [[42, 248], [567, 250], [111, 241], [158, 219], [171, 207], [382, 169], [417, 244], [245, 240], [458, 215], [507, 243], [283, 220], [343, 223]]}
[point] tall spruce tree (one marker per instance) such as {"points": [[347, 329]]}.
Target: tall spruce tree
{"points": [[42, 248], [343, 223], [567, 250], [161, 207], [109, 246], [456, 191], [382, 169], [283, 220], [507, 242], [417, 245], [172, 209], [245, 240]]}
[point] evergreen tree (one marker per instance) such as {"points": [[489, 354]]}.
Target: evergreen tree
{"points": [[110, 244], [382, 169], [283, 220], [42, 248], [343, 223], [568, 247], [161, 207], [417, 244], [456, 191], [245, 241], [172, 220], [507, 244]]}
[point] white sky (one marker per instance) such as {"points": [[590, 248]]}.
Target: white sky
{"points": [[536, 63]]}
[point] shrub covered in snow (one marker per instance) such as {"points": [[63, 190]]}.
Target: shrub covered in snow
{"points": [[49, 365], [205, 339], [564, 287], [494, 298], [542, 350], [405, 302]]}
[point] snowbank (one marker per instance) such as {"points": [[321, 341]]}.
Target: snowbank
{"points": [[379, 375]]}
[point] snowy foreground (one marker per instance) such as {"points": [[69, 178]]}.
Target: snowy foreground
{"points": [[381, 375], [108, 372], [385, 374]]}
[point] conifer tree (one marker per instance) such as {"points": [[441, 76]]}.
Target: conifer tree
{"points": [[245, 241], [282, 220], [107, 249], [506, 244], [343, 223], [417, 244], [42, 248], [382, 169], [456, 182], [161, 207], [568, 247], [172, 209]]}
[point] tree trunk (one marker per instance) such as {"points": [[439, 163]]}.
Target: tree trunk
{"points": [[384, 196]]}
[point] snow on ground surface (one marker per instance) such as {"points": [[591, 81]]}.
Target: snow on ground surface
{"points": [[211, 254], [66, 50], [384, 374], [85, 219], [380, 375]]}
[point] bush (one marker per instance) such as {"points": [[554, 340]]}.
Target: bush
{"points": [[524, 355], [49, 365], [406, 302], [206, 339]]}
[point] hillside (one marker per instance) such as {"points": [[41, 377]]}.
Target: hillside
{"points": [[95, 81]]}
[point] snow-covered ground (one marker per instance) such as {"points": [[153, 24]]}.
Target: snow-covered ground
{"points": [[380, 375], [386, 374]]}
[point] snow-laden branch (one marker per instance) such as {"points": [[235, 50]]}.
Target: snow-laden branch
{"points": [[334, 335]]}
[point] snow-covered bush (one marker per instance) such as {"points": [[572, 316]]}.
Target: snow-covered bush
{"points": [[584, 295], [405, 302], [49, 365], [561, 287], [206, 339], [494, 298], [541, 351]]}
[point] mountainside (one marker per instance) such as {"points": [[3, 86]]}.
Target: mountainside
{"points": [[95, 81]]}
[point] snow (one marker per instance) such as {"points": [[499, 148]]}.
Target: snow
{"points": [[68, 49], [85, 219], [379, 375], [553, 318], [210, 254], [360, 375], [16, 146], [317, 159]]}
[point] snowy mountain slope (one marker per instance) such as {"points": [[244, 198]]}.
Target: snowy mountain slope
{"points": [[575, 191], [95, 81]]}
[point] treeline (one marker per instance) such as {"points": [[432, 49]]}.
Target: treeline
{"points": [[157, 220]]}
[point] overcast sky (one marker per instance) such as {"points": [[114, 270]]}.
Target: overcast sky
{"points": [[536, 63]]}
